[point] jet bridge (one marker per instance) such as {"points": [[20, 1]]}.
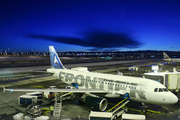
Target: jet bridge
{"points": [[171, 80]]}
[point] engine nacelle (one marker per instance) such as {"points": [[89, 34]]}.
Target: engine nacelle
{"points": [[96, 103]]}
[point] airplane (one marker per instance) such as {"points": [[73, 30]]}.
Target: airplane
{"points": [[171, 60], [94, 88]]}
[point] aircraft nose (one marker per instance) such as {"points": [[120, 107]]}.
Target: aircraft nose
{"points": [[173, 99]]}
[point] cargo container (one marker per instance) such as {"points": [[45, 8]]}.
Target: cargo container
{"points": [[27, 100]]}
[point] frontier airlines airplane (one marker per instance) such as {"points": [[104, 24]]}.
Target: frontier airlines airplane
{"points": [[171, 60], [94, 87]]}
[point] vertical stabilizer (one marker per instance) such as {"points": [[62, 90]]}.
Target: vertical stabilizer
{"points": [[55, 61], [165, 56]]}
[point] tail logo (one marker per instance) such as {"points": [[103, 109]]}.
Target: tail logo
{"points": [[51, 49], [55, 61]]}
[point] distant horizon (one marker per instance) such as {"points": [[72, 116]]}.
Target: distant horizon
{"points": [[95, 51]]}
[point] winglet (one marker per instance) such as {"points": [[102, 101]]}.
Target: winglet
{"points": [[4, 89]]}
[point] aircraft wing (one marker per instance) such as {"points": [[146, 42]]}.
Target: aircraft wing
{"points": [[57, 90]]}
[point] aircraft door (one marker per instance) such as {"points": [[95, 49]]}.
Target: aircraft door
{"points": [[98, 84], [110, 85]]}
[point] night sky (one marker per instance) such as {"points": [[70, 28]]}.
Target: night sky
{"points": [[89, 25]]}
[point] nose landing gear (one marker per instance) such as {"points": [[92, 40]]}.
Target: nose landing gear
{"points": [[144, 107]]}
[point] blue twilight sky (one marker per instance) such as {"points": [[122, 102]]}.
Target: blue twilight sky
{"points": [[88, 25]]}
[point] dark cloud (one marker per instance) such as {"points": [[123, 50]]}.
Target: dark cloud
{"points": [[103, 50], [95, 39]]}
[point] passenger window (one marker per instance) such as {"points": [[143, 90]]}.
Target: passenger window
{"points": [[165, 89], [156, 89], [160, 90]]}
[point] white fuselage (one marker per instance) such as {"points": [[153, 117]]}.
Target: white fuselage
{"points": [[139, 89]]}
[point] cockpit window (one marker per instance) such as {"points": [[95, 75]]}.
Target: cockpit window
{"points": [[160, 90], [165, 89], [156, 89]]}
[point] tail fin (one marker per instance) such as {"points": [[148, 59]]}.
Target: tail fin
{"points": [[55, 61], [165, 56]]}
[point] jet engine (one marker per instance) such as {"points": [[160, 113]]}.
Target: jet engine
{"points": [[96, 103]]}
